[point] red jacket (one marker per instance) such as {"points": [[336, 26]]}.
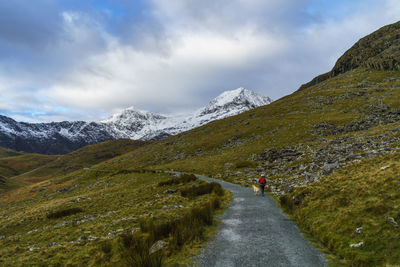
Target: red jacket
{"points": [[262, 180]]}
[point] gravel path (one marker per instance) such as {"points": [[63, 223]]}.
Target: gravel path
{"points": [[255, 232]]}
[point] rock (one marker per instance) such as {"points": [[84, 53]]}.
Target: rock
{"points": [[52, 244], [357, 231], [79, 199], [228, 165], [357, 245], [384, 167], [329, 167], [159, 245], [392, 222], [81, 239], [111, 234], [170, 191], [91, 238], [34, 247], [2, 237], [63, 223]]}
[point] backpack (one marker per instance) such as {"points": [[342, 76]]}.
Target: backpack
{"points": [[262, 180]]}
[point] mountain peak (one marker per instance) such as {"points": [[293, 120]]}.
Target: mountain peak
{"points": [[240, 97], [132, 113], [139, 124]]}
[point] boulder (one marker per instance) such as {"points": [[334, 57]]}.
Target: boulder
{"points": [[357, 245], [392, 221], [357, 231], [159, 245]]}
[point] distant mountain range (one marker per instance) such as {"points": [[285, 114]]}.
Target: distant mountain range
{"points": [[131, 123]]}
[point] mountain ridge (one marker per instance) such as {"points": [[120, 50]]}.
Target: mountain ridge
{"points": [[131, 123], [378, 50]]}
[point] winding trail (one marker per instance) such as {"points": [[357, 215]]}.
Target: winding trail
{"points": [[255, 232]]}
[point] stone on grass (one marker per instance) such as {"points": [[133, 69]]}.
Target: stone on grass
{"points": [[52, 244], [34, 247], [392, 221], [357, 231], [159, 245], [92, 238], [357, 245]]}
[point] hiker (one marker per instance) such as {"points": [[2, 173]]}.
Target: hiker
{"points": [[262, 183]]}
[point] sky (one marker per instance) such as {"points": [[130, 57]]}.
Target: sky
{"points": [[85, 60]]}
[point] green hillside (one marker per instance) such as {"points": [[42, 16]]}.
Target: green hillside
{"points": [[84, 218], [15, 165], [82, 158], [4, 152]]}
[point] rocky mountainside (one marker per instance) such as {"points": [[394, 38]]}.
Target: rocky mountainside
{"points": [[380, 51], [64, 137], [50, 138]]}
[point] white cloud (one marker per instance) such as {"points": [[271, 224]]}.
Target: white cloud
{"points": [[201, 49], [123, 76]]}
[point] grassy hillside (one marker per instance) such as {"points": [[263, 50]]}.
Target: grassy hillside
{"points": [[15, 165], [85, 218], [359, 203], [238, 148], [82, 158], [4, 152]]}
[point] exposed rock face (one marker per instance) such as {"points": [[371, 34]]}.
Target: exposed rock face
{"points": [[300, 165], [50, 138], [380, 51]]}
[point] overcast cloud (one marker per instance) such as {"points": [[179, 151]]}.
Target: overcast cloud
{"points": [[68, 60]]}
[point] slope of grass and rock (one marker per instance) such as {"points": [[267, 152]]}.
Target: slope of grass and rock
{"points": [[92, 217]]}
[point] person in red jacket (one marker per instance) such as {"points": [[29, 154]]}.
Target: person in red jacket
{"points": [[262, 181]]}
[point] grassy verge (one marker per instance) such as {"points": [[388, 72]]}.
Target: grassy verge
{"points": [[359, 205]]}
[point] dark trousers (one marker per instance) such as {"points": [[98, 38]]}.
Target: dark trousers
{"points": [[262, 188]]}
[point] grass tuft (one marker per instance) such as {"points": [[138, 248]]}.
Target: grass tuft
{"points": [[181, 179], [198, 190]]}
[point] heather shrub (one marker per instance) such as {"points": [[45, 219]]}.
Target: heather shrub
{"points": [[202, 189], [181, 179], [135, 248]]}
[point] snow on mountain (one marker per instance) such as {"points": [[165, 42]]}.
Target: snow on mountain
{"points": [[137, 124], [133, 123], [63, 137], [50, 138]]}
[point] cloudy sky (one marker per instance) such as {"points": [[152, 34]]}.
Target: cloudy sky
{"points": [[73, 59]]}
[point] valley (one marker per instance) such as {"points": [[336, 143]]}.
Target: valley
{"points": [[330, 152]]}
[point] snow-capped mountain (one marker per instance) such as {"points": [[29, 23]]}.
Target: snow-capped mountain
{"points": [[63, 137], [50, 138], [137, 124]]}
